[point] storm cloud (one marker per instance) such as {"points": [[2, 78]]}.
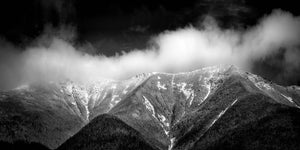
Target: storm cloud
{"points": [[181, 50]]}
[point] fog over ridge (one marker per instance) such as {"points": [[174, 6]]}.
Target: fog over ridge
{"points": [[181, 50]]}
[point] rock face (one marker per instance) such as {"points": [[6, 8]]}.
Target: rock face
{"points": [[218, 107]]}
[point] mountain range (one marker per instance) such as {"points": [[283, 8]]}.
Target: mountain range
{"points": [[218, 107]]}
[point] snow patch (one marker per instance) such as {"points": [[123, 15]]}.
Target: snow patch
{"points": [[208, 92], [288, 98], [188, 92], [233, 102], [264, 85], [222, 113], [125, 90], [87, 112], [114, 100], [166, 131], [163, 119], [83, 96], [96, 92], [211, 81], [172, 81], [207, 85], [149, 106], [114, 86], [161, 86], [259, 83], [172, 141]]}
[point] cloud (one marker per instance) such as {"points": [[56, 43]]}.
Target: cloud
{"points": [[181, 50]]}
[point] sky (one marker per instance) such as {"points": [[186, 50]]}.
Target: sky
{"points": [[84, 41], [27, 19]]}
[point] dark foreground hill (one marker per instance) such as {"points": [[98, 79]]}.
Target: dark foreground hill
{"points": [[21, 145], [106, 132]]}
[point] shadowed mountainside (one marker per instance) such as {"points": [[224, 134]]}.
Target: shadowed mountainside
{"points": [[40, 115], [106, 132]]}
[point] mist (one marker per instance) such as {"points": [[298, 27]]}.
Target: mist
{"points": [[184, 49]]}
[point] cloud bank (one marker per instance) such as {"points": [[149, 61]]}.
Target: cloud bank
{"points": [[182, 50]]}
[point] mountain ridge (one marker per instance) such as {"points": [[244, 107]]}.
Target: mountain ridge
{"points": [[163, 107]]}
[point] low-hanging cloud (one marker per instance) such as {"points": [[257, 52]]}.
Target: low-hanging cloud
{"points": [[173, 51]]}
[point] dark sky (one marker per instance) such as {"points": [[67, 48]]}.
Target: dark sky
{"points": [[21, 20]]}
